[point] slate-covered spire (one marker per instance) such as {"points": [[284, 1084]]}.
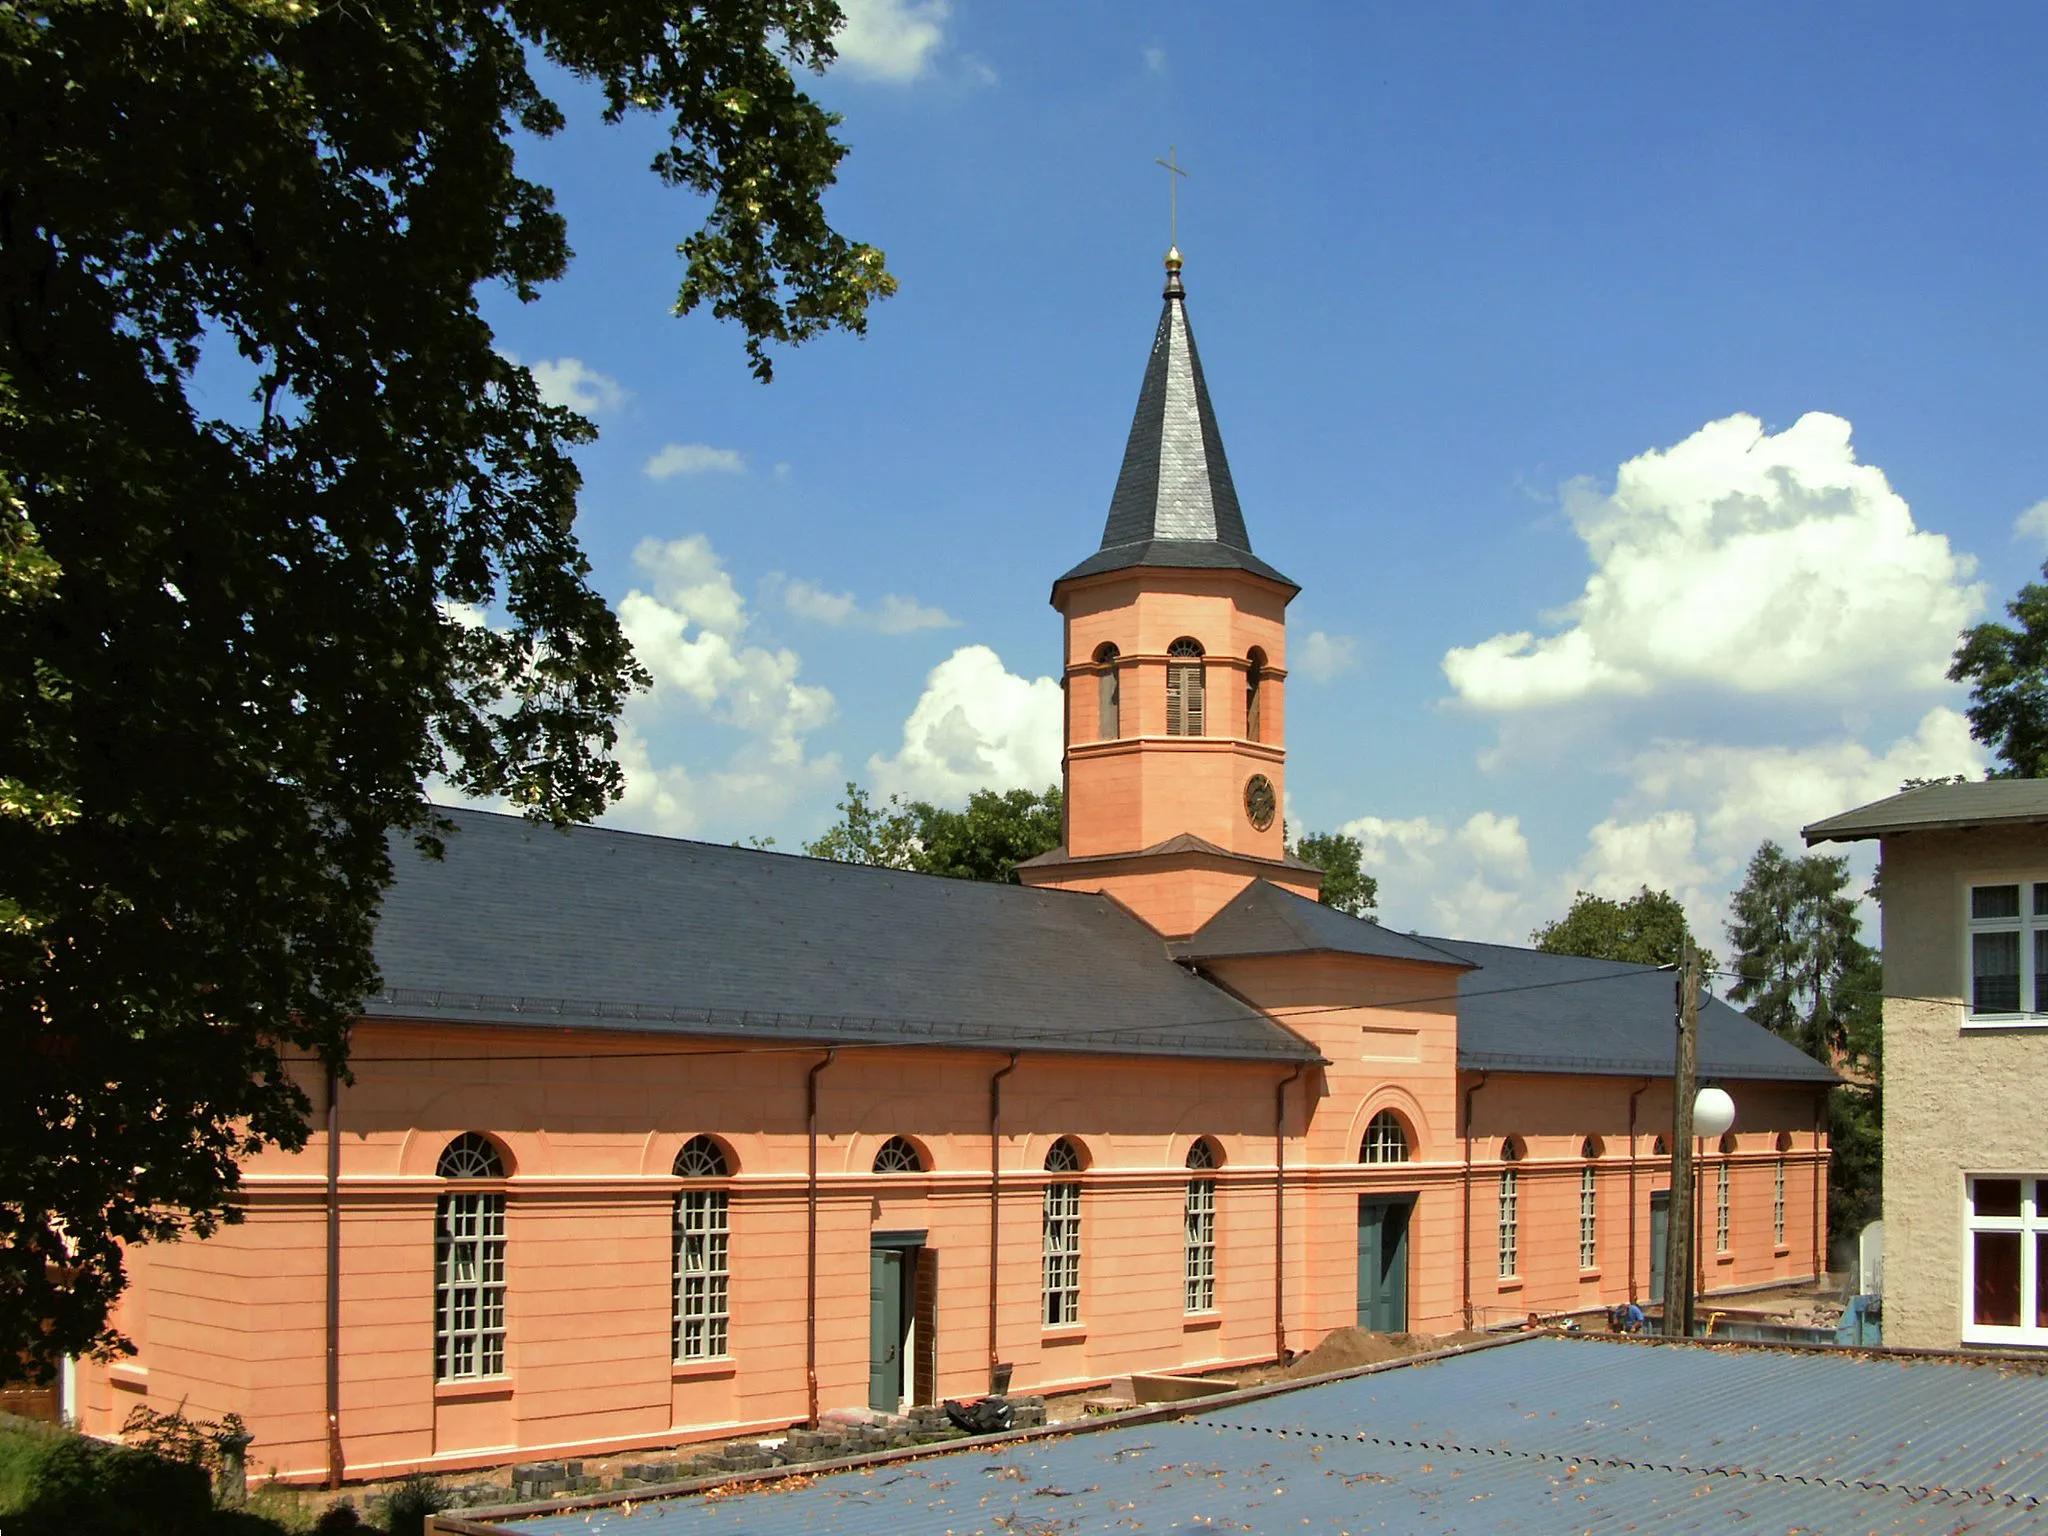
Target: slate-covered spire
{"points": [[1175, 503]]}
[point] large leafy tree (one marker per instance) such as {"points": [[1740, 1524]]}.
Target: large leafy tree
{"points": [[987, 840], [231, 647], [1647, 928], [1803, 971], [2006, 666], [1341, 858]]}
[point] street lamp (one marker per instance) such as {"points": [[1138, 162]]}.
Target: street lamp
{"points": [[1713, 1114]]}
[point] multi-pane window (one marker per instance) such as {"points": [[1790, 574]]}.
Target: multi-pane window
{"points": [[469, 1264], [1778, 1205], [1721, 1208], [1109, 694], [2009, 948], [1589, 1208], [898, 1155], [1186, 704], [1062, 1237], [1385, 1140], [2005, 1264], [1510, 1201], [703, 1265], [1201, 1230]]}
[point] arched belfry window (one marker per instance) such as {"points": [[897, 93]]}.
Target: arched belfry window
{"points": [[1109, 694], [1062, 1236], [1201, 1227], [1185, 700], [1386, 1140], [1254, 686], [898, 1155], [469, 1263], [702, 1281]]}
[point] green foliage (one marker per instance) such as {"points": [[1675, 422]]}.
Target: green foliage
{"points": [[53, 1481], [233, 649], [2006, 666], [986, 841], [407, 1506], [1646, 929], [1346, 885]]}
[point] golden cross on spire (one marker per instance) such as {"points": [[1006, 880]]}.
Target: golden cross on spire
{"points": [[1172, 193]]}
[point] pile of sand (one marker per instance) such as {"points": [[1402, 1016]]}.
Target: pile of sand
{"points": [[1349, 1347]]}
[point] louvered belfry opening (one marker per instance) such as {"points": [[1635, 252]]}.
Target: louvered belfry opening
{"points": [[1185, 699]]}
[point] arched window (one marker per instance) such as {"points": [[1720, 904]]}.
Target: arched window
{"points": [[1109, 694], [469, 1264], [1201, 1228], [898, 1155], [1510, 1212], [1062, 1237], [1254, 680], [1660, 1148], [1185, 699], [1386, 1139], [1728, 1145], [1591, 1147], [702, 1310]]}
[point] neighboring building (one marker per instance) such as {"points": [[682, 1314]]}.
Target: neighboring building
{"points": [[651, 1139], [1964, 873]]}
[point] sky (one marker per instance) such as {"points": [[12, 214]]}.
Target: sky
{"points": [[1643, 396]]}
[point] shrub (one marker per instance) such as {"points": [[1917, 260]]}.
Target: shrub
{"points": [[409, 1504], [65, 1483]]}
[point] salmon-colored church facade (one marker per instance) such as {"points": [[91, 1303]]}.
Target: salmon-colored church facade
{"points": [[651, 1141]]}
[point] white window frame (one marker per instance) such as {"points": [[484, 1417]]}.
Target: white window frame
{"points": [[2032, 1226], [1778, 1205], [1062, 1255], [1201, 1244], [1385, 1142], [2033, 894], [1722, 1214], [1589, 1217], [1510, 1228], [703, 1276], [469, 1286]]}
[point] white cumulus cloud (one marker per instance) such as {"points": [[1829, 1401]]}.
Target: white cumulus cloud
{"points": [[694, 459], [2032, 523], [976, 726], [891, 40], [1320, 657], [1743, 562], [571, 382], [894, 615], [1466, 881]]}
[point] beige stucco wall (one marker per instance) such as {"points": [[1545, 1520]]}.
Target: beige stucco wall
{"points": [[1957, 1101]]}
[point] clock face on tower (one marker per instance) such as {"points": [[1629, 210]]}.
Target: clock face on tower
{"points": [[1260, 801]]}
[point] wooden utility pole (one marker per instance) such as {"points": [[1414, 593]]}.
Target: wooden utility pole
{"points": [[1678, 1238]]}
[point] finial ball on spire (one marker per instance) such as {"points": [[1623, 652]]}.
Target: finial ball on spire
{"points": [[1173, 258]]}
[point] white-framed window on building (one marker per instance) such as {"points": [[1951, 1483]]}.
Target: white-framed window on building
{"points": [[1186, 697], [1201, 1228], [2005, 1259], [703, 1257], [1062, 1237], [2008, 955], [1589, 1207], [1385, 1141], [1510, 1209], [1721, 1213], [469, 1263], [1778, 1204]]}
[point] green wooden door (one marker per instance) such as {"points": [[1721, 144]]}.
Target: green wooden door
{"points": [[1383, 1263], [886, 1328]]}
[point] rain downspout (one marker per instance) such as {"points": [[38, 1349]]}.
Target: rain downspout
{"points": [[1632, 1184], [1280, 1211], [1467, 1245], [333, 1381], [995, 1202], [811, 1233]]}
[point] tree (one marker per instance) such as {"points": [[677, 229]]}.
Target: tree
{"points": [[1646, 929], [233, 648], [986, 841], [1346, 885], [2007, 670]]}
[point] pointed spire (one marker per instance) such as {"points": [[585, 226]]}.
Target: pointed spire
{"points": [[1175, 503]]}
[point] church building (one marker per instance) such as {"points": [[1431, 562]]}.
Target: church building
{"points": [[652, 1140]]}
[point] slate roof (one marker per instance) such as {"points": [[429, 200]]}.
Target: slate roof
{"points": [[524, 924], [1180, 842], [1989, 802], [1175, 503], [1526, 1011], [1263, 919]]}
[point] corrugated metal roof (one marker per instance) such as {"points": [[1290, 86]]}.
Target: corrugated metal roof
{"points": [[1935, 806], [1544, 1436]]}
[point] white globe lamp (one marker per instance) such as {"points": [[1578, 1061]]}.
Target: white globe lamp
{"points": [[1713, 1114]]}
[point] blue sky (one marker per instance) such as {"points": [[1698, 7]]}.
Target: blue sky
{"points": [[1643, 397]]}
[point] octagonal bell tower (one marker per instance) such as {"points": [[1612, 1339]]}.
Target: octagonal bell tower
{"points": [[1175, 671]]}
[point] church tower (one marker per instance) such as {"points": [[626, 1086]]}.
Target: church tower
{"points": [[1175, 672]]}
